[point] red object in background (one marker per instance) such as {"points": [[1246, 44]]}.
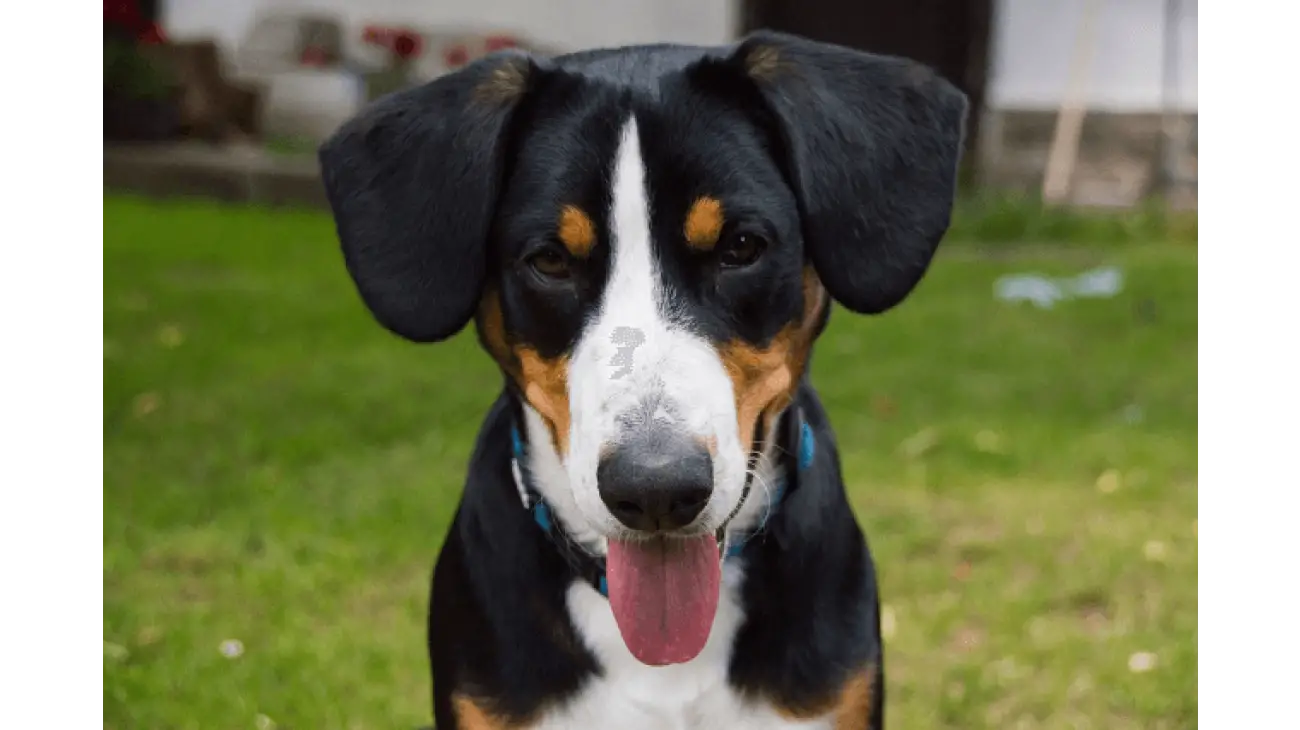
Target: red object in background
{"points": [[152, 35], [312, 56], [499, 42], [406, 45], [403, 43], [456, 56], [126, 14]]}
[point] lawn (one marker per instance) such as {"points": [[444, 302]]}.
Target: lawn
{"points": [[279, 473]]}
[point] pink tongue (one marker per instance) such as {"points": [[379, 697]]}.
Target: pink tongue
{"points": [[664, 593]]}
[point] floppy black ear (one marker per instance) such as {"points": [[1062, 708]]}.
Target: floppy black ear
{"points": [[412, 181], [872, 143]]}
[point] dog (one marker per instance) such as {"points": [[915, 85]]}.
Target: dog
{"points": [[654, 531]]}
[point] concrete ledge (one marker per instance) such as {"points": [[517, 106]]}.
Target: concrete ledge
{"points": [[1103, 133], [1119, 156], [1117, 172], [241, 174]]}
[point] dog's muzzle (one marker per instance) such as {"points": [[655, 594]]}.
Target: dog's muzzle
{"points": [[657, 479]]}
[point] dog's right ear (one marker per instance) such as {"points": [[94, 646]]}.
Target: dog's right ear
{"points": [[413, 181], [871, 144]]}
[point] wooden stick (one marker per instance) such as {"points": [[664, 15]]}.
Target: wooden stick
{"points": [[1069, 119], [1171, 143]]}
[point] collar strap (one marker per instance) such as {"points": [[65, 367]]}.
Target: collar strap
{"points": [[592, 567]]}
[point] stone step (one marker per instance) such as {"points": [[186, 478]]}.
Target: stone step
{"points": [[233, 173]]}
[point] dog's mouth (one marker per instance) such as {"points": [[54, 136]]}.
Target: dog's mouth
{"points": [[664, 594], [664, 591]]}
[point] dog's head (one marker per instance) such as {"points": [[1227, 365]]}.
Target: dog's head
{"points": [[649, 240]]}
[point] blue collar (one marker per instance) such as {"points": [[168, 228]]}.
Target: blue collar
{"points": [[591, 567]]}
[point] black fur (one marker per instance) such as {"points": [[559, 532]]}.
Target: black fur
{"points": [[413, 184], [872, 144], [499, 628], [810, 594], [840, 160]]}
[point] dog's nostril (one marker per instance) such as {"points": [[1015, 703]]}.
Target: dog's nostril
{"points": [[657, 481], [628, 507]]}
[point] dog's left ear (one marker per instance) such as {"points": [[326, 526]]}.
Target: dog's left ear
{"points": [[413, 182], [872, 144]]}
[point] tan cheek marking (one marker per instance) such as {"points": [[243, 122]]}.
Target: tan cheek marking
{"points": [[545, 382], [765, 380], [850, 707], [546, 387], [492, 330], [704, 223], [758, 378], [471, 716], [576, 231]]}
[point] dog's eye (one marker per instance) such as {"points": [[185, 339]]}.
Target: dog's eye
{"points": [[550, 264], [740, 249]]}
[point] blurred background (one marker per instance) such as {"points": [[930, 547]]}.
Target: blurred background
{"points": [[1019, 437]]}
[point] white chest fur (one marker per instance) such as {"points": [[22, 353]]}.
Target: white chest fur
{"points": [[633, 696]]}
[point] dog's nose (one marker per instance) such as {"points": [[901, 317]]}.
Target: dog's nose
{"points": [[656, 480]]}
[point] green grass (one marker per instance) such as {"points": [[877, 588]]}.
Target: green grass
{"points": [[293, 146], [280, 472], [1005, 217]]}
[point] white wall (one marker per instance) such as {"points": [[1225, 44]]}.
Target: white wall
{"points": [[224, 20], [1034, 40], [560, 24], [1031, 45]]}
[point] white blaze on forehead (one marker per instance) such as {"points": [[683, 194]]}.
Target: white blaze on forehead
{"points": [[633, 358], [629, 334], [632, 295]]}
